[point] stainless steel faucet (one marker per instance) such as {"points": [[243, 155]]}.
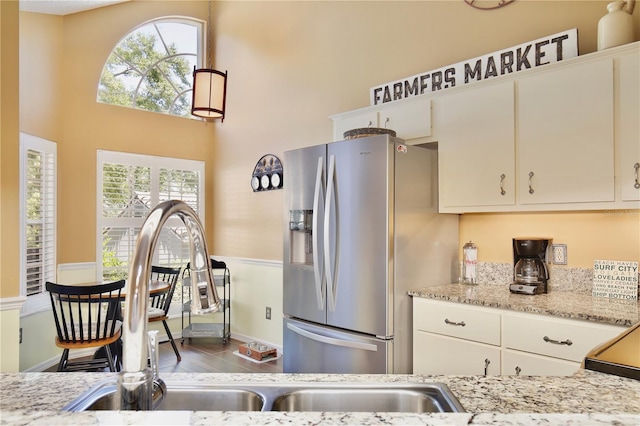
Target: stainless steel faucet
{"points": [[137, 386]]}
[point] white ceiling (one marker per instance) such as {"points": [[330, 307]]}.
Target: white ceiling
{"points": [[63, 7]]}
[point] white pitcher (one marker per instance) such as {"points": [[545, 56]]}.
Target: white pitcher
{"points": [[616, 27]]}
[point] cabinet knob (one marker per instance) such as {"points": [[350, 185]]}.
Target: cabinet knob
{"points": [[502, 177], [518, 370], [486, 365], [636, 167]]}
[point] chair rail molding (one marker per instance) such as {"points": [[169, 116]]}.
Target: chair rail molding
{"points": [[12, 303]]}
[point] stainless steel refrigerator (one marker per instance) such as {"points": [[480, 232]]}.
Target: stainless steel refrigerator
{"points": [[361, 228]]}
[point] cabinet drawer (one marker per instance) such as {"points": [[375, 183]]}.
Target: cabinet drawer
{"points": [[558, 338], [451, 319]]}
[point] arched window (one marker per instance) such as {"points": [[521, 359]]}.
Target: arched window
{"points": [[151, 68]]}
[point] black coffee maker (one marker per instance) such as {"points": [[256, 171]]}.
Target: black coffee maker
{"points": [[530, 273]]}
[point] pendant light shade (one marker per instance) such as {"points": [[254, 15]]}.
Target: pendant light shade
{"points": [[209, 93]]}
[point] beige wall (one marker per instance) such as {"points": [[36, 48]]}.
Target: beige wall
{"points": [[604, 235], [9, 152], [291, 65]]}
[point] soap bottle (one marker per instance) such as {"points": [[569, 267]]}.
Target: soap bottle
{"points": [[469, 264]]}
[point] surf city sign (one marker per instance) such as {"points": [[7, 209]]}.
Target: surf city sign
{"points": [[536, 53]]}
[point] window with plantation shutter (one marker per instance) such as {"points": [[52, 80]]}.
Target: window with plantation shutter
{"points": [[38, 220], [129, 186]]}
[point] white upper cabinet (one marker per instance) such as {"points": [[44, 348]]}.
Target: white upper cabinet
{"points": [[410, 119], [565, 135], [358, 119], [628, 125], [476, 150]]}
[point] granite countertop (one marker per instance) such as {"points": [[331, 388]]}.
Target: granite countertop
{"points": [[585, 398], [558, 303]]}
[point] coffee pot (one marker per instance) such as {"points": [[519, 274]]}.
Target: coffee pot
{"points": [[530, 273]]}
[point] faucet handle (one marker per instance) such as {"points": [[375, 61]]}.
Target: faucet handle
{"points": [[154, 356], [159, 387]]}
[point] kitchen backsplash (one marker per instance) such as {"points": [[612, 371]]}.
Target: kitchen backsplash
{"points": [[562, 278]]}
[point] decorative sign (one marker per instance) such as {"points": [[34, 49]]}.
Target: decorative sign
{"points": [[615, 279], [546, 50]]}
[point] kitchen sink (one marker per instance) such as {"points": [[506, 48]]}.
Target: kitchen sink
{"points": [[413, 399], [179, 397], [327, 397]]}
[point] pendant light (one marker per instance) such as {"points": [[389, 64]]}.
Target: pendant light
{"points": [[209, 86]]}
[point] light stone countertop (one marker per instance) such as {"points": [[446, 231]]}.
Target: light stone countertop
{"points": [[585, 398], [556, 303]]}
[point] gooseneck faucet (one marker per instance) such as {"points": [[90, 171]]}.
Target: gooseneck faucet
{"points": [[137, 386]]}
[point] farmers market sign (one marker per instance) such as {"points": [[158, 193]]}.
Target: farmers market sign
{"points": [[542, 51]]}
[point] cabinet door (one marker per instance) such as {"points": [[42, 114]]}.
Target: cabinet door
{"points": [[476, 147], [354, 120], [434, 354], [410, 119], [524, 364], [628, 125], [565, 135]]}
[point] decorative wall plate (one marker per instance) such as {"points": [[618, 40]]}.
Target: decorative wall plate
{"points": [[267, 174]]}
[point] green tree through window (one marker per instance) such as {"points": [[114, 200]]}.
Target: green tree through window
{"points": [[152, 67]]}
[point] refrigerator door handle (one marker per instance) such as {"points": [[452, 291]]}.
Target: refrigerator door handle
{"points": [[330, 272], [331, 340], [318, 264]]}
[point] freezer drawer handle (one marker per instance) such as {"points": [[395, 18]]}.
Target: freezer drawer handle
{"points": [[557, 342], [461, 323], [331, 340]]}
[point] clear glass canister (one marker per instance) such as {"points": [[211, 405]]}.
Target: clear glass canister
{"points": [[469, 273]]}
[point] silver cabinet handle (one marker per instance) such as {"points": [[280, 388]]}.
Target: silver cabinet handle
{"points": [[557, 342], [486, 365], [461, 323], [531, 191], [518, 370], [502, 177], [386, 120], [636, 168]]}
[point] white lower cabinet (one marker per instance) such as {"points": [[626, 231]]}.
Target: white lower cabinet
{"points": [[435, 354], [516, 363], [455, 338]]}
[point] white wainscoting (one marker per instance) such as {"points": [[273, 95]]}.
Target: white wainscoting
{"points": [[255, 284]]}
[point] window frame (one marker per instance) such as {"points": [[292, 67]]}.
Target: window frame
{"points": [[38, 302], [201, 56]]}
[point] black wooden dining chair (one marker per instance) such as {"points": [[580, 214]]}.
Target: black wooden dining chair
{"points": [[160, 302], [86, 316]]}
